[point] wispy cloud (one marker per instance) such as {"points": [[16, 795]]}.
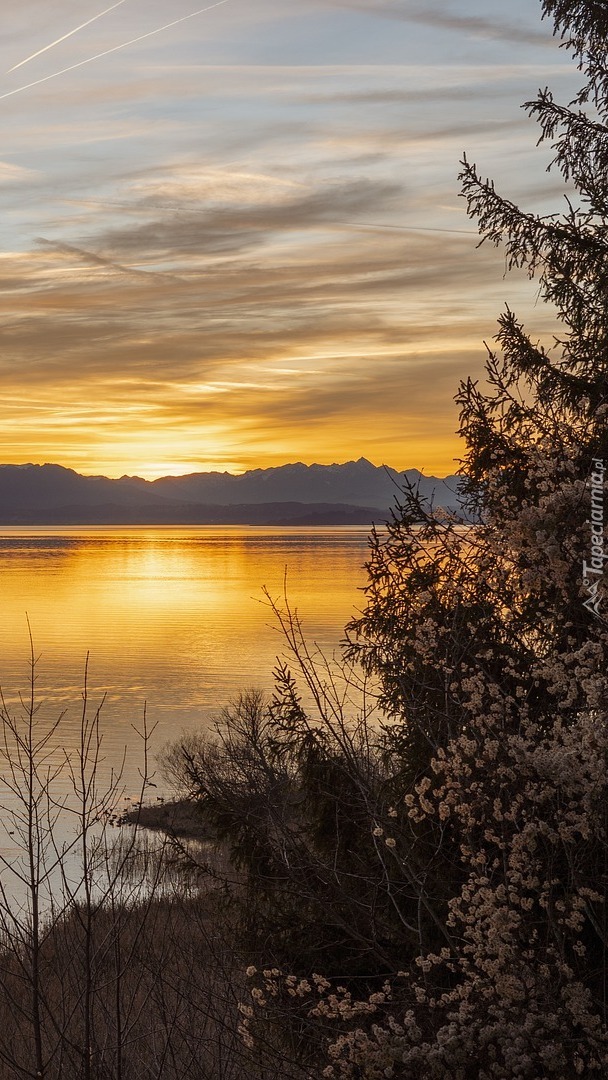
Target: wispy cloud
{"points": [[438, 17], [240, 227], [498, 29], [340, 335]]}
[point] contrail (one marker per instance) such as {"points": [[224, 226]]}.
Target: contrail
{"points": [[65, 37], [111, 264], [116, 48], [405, 228]]}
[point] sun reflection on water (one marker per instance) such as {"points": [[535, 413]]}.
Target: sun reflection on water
{"points": [[174, 617]]}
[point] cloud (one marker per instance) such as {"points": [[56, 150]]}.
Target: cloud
{"points": [[206, 184], [239, 227], [400, 96], [338, 301], [478, 26], [14, 174], [437, 17]]}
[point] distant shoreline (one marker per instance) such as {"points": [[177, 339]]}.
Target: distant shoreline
{"points": [[305, 521]]}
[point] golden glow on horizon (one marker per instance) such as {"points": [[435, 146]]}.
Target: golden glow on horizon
{"points": [[431, 456], [214, 262]]}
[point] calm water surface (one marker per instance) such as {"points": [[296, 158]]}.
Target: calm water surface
{"points": [[171, 617]]}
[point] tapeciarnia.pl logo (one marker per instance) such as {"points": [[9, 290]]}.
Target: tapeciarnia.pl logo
{"points": [[594, 569]]}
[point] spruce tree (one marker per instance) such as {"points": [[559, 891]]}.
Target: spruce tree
{"points": [[489, 642], [516, 609]]}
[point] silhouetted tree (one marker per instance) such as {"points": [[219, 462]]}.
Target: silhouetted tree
{"points": [[490, 646], [502, 609]]}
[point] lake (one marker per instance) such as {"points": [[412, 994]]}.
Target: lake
{"points": [[174, 618]]}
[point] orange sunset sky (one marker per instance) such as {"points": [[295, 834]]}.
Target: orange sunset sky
{"points": [[232, 237]]}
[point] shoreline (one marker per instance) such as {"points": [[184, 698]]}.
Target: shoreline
{"points": [[182, 818]]}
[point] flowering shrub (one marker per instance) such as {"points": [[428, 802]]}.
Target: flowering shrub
{"points": [[519, 990], [492, 665]]}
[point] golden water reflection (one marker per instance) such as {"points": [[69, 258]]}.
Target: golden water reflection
{"points": [[170, 616]]}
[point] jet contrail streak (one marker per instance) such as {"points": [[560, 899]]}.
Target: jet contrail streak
{"points": [[116, 48], [65, 36]]}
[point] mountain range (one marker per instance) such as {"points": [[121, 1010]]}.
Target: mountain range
{"points": [[356, 492]]}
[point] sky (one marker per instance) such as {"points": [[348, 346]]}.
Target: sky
{"points": [[237, 240]]}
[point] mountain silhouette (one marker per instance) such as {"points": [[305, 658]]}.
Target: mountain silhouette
{"points": [[349, 493]]}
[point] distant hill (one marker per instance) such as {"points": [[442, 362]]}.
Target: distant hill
{"points": [[356, 492]]}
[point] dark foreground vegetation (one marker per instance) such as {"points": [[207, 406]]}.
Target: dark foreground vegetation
{"points": [[120, 958], [163, 994], [413, 866]]}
